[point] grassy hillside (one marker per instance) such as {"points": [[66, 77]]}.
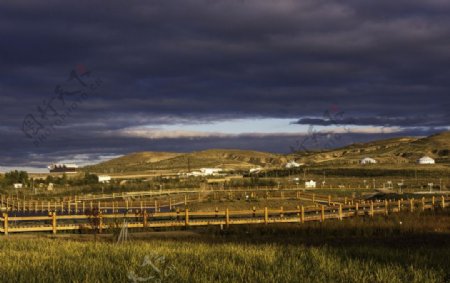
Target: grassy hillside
{"points": [[223, 158], [390, 151], [387, 152]]}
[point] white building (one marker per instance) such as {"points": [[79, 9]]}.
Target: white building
{"points": [[292, 164], [210, 171], [255, 170], [18, 185], [104, 179], [205, 172], [368, 160], [426, 160], [310, 184]]}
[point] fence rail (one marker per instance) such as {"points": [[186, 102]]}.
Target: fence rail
{"points": [[185, 218], [168, 202]]}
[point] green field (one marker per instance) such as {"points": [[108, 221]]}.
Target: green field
{"points": [[395, 249]]}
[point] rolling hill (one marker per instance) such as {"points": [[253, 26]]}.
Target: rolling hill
{"points": [[389, 151], [157, 161], [396, 150]]}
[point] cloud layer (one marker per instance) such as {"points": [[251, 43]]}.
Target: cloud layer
{"points": [[382, 64]]}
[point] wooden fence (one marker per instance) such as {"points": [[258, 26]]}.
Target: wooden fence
{"points": [[185, 218], [80, 205]]}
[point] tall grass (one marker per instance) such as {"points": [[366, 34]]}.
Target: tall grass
{"points": [[363, 250], [45, 260]]}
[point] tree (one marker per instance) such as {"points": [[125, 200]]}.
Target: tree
{"points": [[90, 178], [16, 177]]}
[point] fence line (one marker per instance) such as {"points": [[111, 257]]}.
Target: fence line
{"points": [[186, 218], [76, 205]]}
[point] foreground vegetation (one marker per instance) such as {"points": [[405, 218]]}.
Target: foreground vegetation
{"points": [[400, 248]]}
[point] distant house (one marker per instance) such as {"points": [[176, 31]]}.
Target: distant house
{"points": [[426, 160], [368, 160], [104, 179], [292, 164], [210, 171], [310, 184], [255, 170], [205, 172], [18, 185]]}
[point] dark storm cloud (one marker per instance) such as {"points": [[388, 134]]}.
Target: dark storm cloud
{"points": [[384, 63]]}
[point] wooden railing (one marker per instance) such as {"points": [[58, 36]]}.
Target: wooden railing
{"points": [[186, 218], [79, 205]]}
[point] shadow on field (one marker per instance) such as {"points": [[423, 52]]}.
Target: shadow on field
{"points": [[396, 231]]}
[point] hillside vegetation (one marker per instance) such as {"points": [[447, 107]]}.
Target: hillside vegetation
{"points": [[390, 151], [224, 158]]}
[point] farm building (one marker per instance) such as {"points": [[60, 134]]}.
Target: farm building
{"points": [[292, 164], [368, 160], [104, 179], [210, 171], [205, 172], [426, 160], [255, 170], [18, 185], [310, 184]]}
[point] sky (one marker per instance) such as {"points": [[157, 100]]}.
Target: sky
{"points": [[86, 81]]}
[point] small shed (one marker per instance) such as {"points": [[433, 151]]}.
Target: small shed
{"points": [[310, 184], [104, 179], [426, 160], [18, 185], [368, 160], [292, 164]]}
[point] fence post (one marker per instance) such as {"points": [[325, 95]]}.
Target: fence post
{"points": [[443, 202], [423, 203], [411, 204], [371, 209], [433, 202], [302, 214], [322, 215], [100, 222], [399, 203], [329, 199], [227, 217], [54, 222], [5, 223], [144, 222], [266, 215], [186, 217], [386, 207], [340, 211]]}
